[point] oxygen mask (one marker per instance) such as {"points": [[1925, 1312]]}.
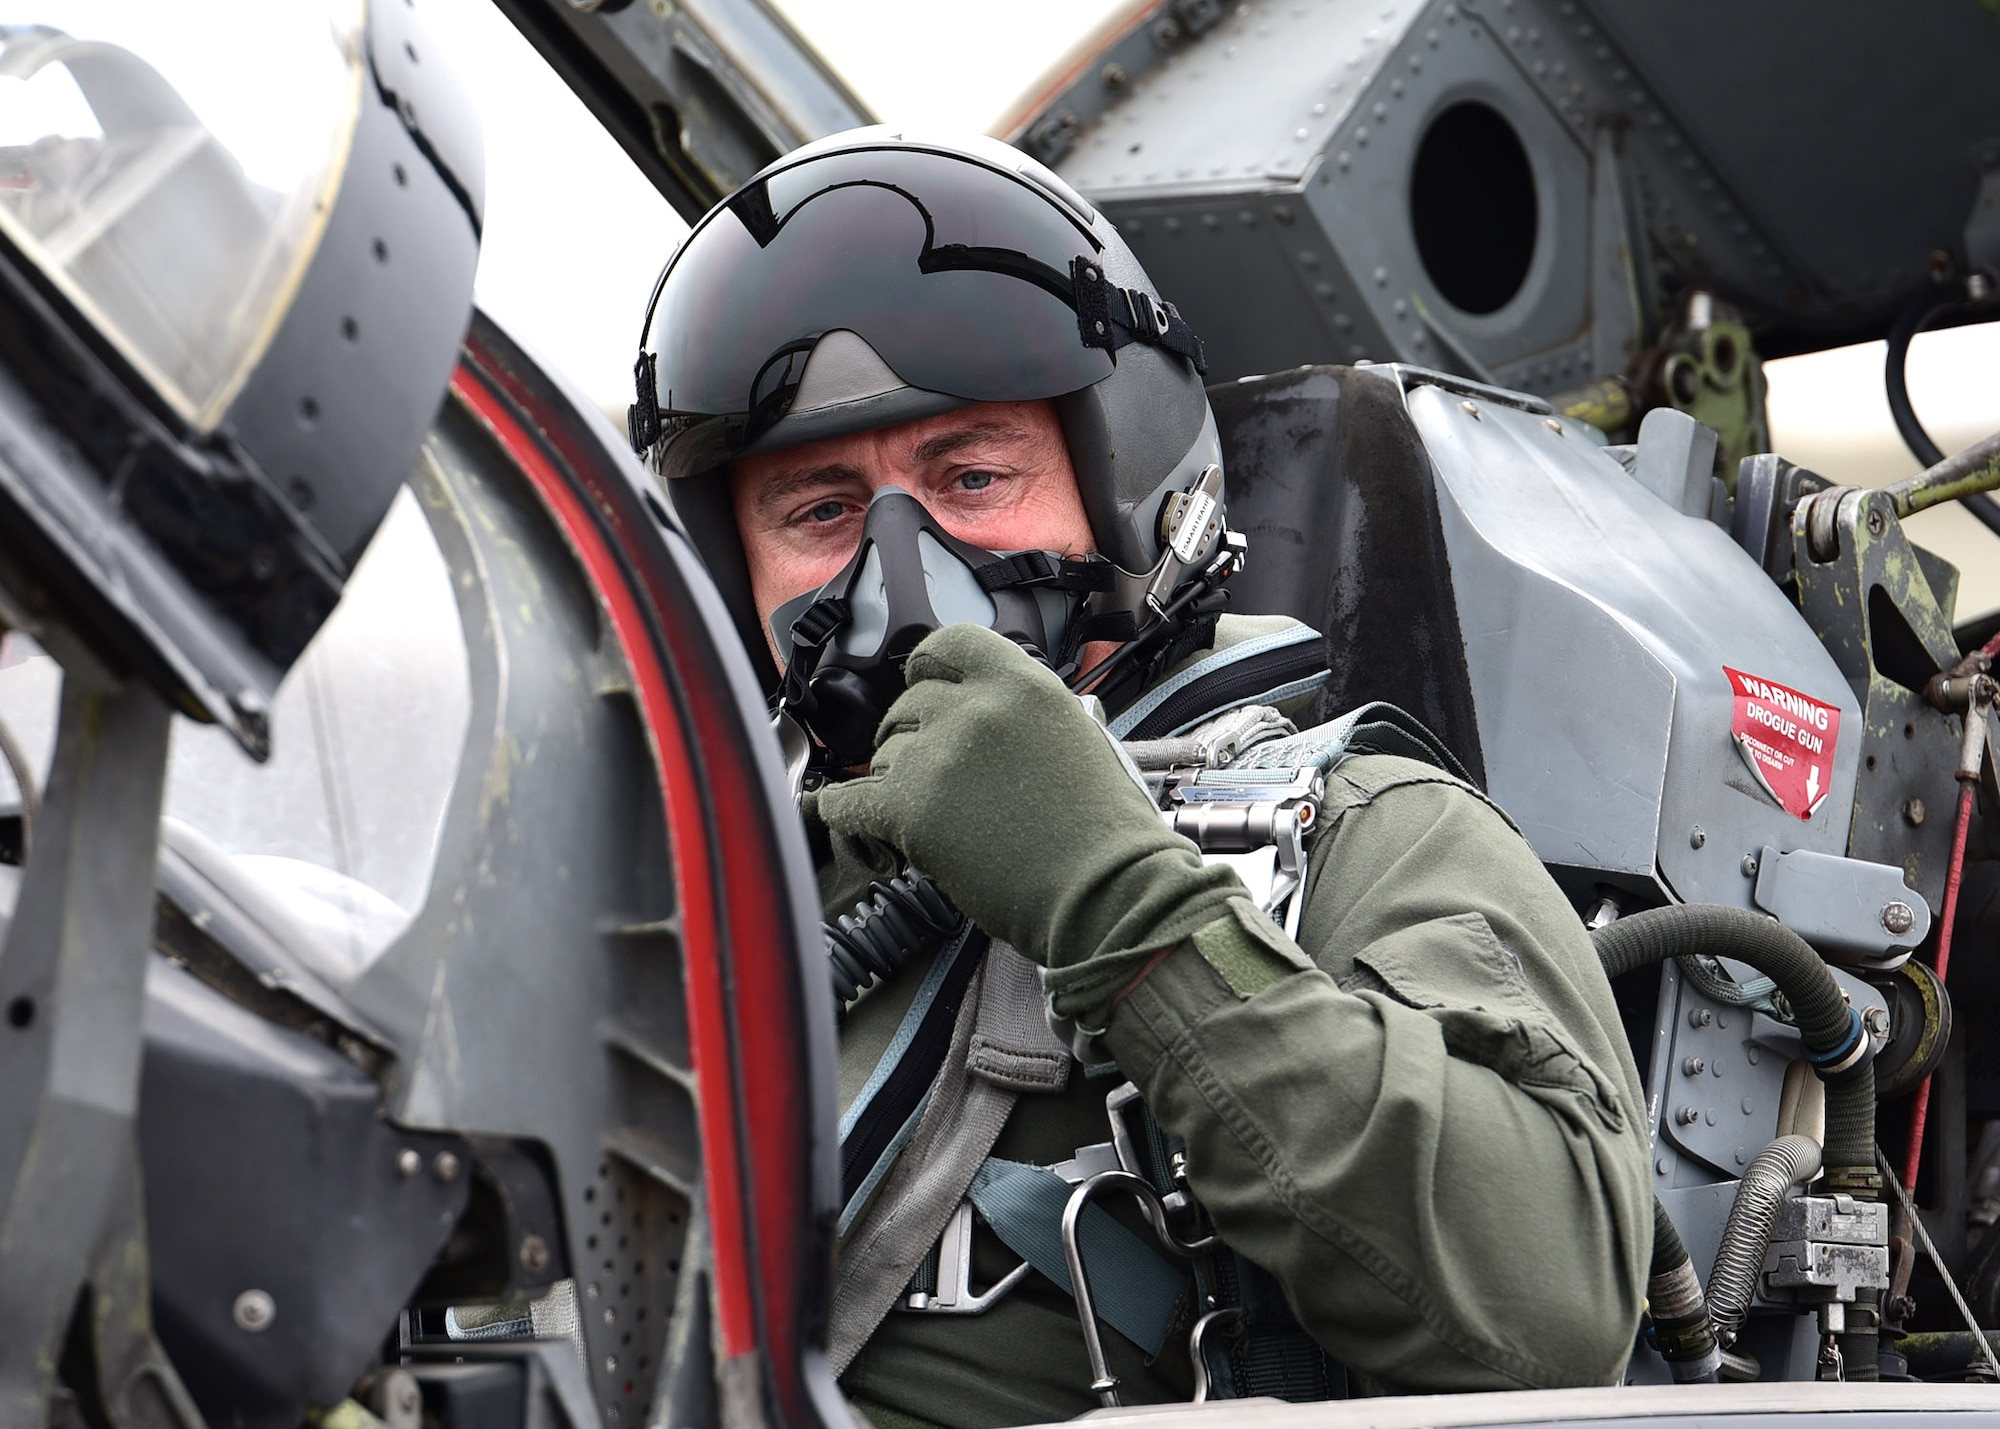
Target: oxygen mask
{"points": [[845, 643]]}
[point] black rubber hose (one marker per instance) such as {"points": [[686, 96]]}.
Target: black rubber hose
{"points": [[1915, 316], [1835, 1042], [1835, 1045], [1681, 1327], [1917, 312], [1669, 1249]]}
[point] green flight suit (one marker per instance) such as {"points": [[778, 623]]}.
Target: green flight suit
{"points": [[1424, 1121]]}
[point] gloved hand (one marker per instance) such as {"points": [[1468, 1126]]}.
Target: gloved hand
{"points": [[991, 777]]}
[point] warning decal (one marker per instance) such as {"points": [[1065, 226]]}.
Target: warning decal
{"points": [[1787, 739]]}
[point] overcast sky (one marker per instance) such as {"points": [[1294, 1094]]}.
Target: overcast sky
{"points": [[574, 236]]}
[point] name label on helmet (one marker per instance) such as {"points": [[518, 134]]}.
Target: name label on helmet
{"points": [[1190, 532]]}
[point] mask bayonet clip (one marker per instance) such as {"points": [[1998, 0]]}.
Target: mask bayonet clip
{"points": [[1190, 523], [810, 632]]}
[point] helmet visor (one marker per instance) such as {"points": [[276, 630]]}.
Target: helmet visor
{"points": [[957, 275]]}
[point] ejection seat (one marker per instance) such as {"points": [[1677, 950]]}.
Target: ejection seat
{"points": [[1329, 481]]}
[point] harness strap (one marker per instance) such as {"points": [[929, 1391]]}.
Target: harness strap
{"points": [[1136, 1289], [1214, 744], [921, 1178], [1260, 671], [884, 1113], [1380, 728], [1270, 1356]]}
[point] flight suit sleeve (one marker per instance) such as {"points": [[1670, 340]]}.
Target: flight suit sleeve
{"points": [[1426, 1125]]}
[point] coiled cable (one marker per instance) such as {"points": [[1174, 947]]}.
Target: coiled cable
{"points": [[899, 918]]}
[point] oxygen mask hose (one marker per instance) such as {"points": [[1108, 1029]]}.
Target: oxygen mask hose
{"points": [[900, 918]]}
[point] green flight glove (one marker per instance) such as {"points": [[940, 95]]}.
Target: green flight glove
{"points": [[993, 779]]}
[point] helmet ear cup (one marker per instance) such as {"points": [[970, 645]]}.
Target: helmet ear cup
{"points": [[1130, 438], [703, 506]]}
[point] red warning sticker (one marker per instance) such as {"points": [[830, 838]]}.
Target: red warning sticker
{"points": [[1787, 739]]}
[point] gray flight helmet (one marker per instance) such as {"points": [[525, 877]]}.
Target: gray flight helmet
{"points": [[874, 277]]}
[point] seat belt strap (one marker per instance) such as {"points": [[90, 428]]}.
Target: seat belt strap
{"points": [[1137, 1290], [1262, 670], [895, 1227]]}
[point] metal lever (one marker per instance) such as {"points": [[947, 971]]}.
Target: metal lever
{"points": [[1232, 819], [1125, 1147]]}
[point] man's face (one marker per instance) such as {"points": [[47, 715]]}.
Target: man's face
{"points": [[995, 475]]}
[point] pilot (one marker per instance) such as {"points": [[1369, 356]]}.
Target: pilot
{"points": [[951, 461]]}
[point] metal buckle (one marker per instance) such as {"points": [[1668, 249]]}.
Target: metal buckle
{"points": [[1179, 1202], [1089, 1160], [954, 1294], [1261, 830], [1175, 1219], [1148, 318], [1198, 1347]]}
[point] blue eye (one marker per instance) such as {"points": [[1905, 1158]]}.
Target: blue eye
{"points": [[976, 480], [826, 511]]}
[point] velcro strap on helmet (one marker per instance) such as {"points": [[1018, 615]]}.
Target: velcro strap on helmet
{"points": [[642, 418], [1043, 568], [1110, 317]]}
